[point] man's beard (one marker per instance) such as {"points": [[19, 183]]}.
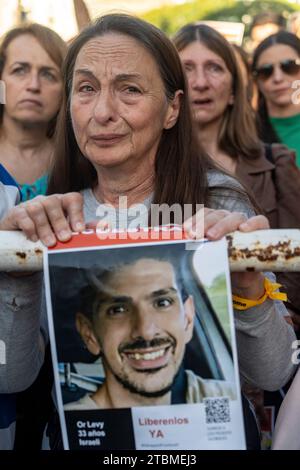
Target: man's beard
{"points": [[135, 388]]}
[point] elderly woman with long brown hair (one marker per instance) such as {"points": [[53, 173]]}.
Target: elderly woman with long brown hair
{"points": [[125, 129]]}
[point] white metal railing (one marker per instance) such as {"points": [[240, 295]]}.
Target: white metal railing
{"points": [[263, 250]]}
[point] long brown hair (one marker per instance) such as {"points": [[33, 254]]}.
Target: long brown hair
{"points": [[50, 41], [237, 134], [264, 125], [180, 165]]}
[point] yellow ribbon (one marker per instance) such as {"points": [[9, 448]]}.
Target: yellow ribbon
{"points": [[240, 303]]}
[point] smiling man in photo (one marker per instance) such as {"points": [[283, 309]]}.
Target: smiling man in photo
{"points": [[139, 318]]}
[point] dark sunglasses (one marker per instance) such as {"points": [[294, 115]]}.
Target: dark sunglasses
{"points": [[290, 67]]}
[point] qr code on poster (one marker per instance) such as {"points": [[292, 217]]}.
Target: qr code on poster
{"points": [[217, 410]]}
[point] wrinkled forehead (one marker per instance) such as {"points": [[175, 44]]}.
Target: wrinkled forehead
{"points": [[26, 48], [199, 52], [115, 52]]}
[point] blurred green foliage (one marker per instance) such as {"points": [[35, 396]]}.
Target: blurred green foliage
{"points": [[171, 18], [217, 293]]}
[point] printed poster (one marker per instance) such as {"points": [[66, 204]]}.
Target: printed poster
{"points": [[143, 344]]}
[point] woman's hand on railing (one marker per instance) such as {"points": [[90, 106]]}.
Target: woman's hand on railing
{"points": [[47, 218]]}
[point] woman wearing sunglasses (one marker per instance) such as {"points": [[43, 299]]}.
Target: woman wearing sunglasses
{"points": [[276, 68]]}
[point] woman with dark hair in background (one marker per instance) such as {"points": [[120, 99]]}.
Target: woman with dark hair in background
{"points": [[276, 67], [31, 59]]}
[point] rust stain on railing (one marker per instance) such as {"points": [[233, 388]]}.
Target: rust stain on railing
{"points": [[268, 250], [263, 253]]}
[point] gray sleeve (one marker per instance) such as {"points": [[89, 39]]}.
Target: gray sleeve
{"points": [[264, 339], [227, 193], [21, 333], [264, 345]]}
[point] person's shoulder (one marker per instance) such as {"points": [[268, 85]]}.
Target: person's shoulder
{"points": [[226, 192], [84, 403], [216, 178]]}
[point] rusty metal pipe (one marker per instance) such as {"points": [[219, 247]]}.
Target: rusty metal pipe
{"points": [[263, 250], [17, 253]]}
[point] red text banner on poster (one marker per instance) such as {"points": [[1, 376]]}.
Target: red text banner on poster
{"points": [[93, 238]]}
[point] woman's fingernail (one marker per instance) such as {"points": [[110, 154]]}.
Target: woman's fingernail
{"points": [[213, 233], [50, 240], [79, 226], [64, 235], [34, 238]]}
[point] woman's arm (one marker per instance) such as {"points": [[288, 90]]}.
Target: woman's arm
{"points": [[264, 338], [264, 345]]}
